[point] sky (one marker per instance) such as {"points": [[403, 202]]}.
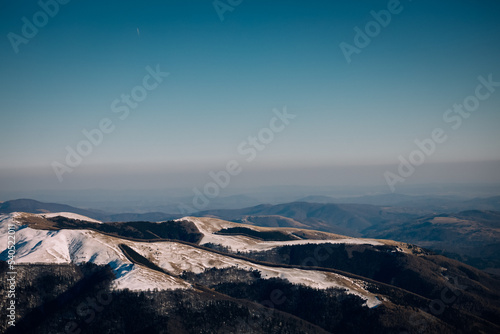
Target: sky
{"points": [[208, 76]]}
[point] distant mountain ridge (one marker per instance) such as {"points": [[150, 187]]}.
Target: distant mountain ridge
{"points": [[348, 219], [33, 206], [471, 236], [428, 203]]}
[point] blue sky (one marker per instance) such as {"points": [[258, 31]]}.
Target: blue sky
{"points": [[225, 79]]}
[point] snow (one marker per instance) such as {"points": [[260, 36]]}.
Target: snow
{"points": [[68, 215], [176, 258], [79, 246], [63, 246], [208, 226], [141, 278]]}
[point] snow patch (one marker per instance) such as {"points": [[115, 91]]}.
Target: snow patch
{"points": [[68, 215], [208, 226]]}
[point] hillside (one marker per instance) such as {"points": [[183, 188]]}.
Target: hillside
{"points": [[348, 219], [472, 236], [365, 282]]}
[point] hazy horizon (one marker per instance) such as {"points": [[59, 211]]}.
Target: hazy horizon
{"points": [[121, 96]]}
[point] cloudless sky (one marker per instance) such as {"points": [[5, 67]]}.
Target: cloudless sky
{"points": [[227, 76]]}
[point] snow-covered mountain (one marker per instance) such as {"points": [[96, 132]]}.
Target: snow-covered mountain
{"points": [[80, 246], [208, 267]]}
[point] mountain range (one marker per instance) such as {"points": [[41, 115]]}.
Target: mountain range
{"points": [[203, 274], [471, 236], [33, 206]]}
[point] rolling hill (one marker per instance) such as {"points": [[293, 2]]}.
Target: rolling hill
{"points": [[470, 236], [349, 219]]}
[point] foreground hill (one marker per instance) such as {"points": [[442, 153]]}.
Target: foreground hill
{"points": [[211, 275]]}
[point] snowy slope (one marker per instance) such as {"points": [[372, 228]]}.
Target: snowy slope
{"points": [[68, 215], [62, 246], [79, 246], [208, 226], [141, 278], [176, 258]]}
